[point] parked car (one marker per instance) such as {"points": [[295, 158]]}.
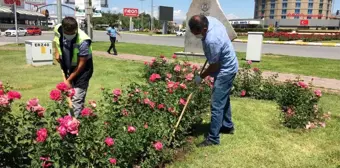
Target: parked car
{"points": [[33, 31], [180, 33], [12, 32]]}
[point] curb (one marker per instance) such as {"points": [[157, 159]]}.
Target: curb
{"points": [[294, 43], [157, 35]]}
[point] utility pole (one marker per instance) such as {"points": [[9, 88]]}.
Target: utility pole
{"points": [[88, 12], [59, 11], [151, 16], [142, 23], [16, 22]]}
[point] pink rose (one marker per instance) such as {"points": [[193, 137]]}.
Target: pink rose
{"points": [[62, 131], [137, 90], [169, 75], [150, 64], [152, 104], [93, 103], [243, 93], [117, 92], [146, 101], [182, 101], [4, 101], [172, 85], [194, 67], [318, 93], [109, 141], [2, 92], [322, 124], [177, 68], [131, 129], [249, 62], [86, 112], [161, 106], [146, 63], [72, 126], [55, 95], [13, 95], [41, 135], [171, 109], [189, 76], [153, 60], [154, 77], [71, 92], [45, 163], [33, 102], [125, 112], [164, 60], [113, 161], [1, 85], [158, 146], [62, 87], [174, 56], [302, 85], [256, 69], [183, 86], [146, 126]]}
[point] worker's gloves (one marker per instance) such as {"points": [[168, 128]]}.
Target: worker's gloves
{"points": [[198, 79]]}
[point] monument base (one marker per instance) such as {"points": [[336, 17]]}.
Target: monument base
{"points": [[190, 54]]}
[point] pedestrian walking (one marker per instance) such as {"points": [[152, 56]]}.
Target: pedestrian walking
{"points": [[73, 51], [112, 32], [223, 66]]}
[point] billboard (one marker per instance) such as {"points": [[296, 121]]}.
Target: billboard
{"points": [[19, 3], [80, 8], [103, 3], [166, 13], [96, 6], [131, 12]]}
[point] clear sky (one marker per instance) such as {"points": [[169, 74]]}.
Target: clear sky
{"points": [[232, 8]]}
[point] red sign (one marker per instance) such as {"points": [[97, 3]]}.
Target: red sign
{"points": [[304, 22], [132, 12], [303, 15]]}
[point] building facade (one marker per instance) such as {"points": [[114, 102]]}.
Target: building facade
{"points": [[293, 9]]}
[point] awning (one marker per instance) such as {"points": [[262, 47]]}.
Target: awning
{"points": [[24, 14]]}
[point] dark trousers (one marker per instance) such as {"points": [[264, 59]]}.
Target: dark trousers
{"points": [[220, 106], [113, 45]]}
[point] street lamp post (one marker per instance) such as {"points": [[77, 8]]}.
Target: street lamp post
{"points": [[151, 15], [59, 11]]}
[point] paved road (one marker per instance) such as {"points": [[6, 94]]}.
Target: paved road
{"points": [[291, 50]]}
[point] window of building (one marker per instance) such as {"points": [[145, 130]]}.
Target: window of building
{"points": [[321, 6], [272, 6], [298, 0], [283, 17], [310, 11], [263, 6], [284, 5], [284, 11], [320, 12], [284, 0], [310, 5], [298, 5], [271, 17], [311, 0], [272, 12], [297, 10], [272, 1], [309, 17]]}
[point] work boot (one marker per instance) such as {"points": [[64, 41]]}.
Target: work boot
{"points": [[224, 130], [206, 143]]}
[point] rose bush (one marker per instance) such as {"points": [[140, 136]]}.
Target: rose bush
{"points": [[284, 36], [132, 126]]}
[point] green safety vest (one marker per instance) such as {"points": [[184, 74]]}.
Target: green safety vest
{"points": [[81, 36]]}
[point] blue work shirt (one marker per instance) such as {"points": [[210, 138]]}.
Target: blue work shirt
{"points": [[112, 32], [218, 48]]}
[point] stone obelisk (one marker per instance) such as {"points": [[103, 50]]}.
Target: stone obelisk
{"points": [[207, 8]]}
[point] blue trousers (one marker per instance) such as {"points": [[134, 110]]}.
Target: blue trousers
{"points": [[220, 107]]}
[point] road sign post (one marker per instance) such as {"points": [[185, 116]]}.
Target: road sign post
{"points": [[131, 12], [16, 22]]}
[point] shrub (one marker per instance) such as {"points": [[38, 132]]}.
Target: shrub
{"points": [[299, 104]]}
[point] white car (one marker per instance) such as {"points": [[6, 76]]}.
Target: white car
{"points": [[180, 33], [12, 32]]}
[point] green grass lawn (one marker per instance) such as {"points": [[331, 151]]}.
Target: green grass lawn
{"points": [[259, 141], [325, 68]]}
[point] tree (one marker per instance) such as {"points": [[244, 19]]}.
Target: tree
{"points": [[184, 24]]}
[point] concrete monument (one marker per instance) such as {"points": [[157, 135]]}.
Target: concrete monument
{"points": [[207, 8]]}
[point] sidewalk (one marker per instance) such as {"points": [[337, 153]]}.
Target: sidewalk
{"points": [[325, 83], [294, 43]]}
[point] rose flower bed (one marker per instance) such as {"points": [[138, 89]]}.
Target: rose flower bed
{"points": [[284, 36], [132, 127]]}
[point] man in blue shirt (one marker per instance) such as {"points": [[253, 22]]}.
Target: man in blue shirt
{"points": [[223, 66], [112, 32]]}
